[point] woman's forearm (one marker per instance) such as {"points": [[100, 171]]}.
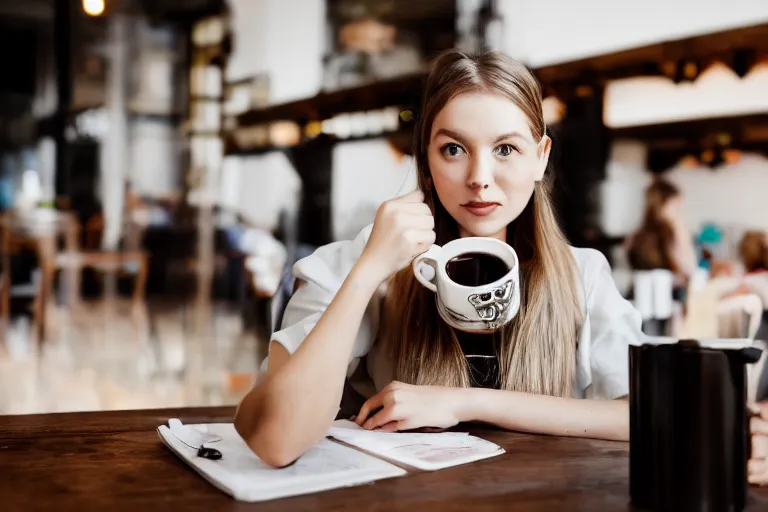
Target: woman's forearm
{"points": [[541, 414], [293, 408]]}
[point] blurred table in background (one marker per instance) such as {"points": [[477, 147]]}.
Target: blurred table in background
{"points": [[41, 230]]}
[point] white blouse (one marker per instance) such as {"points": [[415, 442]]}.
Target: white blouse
{"points": [[610, 322]]}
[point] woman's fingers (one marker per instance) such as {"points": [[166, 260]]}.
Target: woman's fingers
{"points": [[757, 425], [757, 467], [759, 446], [757, 471], [386, 415], [373, 403], [392, 426]]}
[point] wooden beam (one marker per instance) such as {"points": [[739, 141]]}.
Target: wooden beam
{"points": [[645, 60]]}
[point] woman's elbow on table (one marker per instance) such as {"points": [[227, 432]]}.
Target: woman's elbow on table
{"points": [[274, 452], [268, 442]]}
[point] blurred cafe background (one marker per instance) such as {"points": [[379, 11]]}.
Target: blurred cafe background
{"points": [[163, 163]]}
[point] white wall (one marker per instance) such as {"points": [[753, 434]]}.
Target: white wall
{"points": [[365, 174], [542, 32], [732, 195], [154, 151], [261, 186], [284, 38]]}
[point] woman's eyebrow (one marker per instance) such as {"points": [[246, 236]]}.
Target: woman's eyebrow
{"points": [[512, 135], [452, 134]]}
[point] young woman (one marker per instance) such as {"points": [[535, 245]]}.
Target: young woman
{"points": [[559, 368], [663, 241]]}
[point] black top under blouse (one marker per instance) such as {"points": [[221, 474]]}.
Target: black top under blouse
{"points": [[480, 351]]}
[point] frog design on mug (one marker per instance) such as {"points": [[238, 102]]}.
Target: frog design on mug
{"points": [[492, 305]]}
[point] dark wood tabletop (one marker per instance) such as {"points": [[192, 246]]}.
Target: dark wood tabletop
{"points": [[115, 461]]}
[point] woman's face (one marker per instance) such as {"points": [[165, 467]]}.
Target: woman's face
{"points": [[484, 162], [672, 210]]}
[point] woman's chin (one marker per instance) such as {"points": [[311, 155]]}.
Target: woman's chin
{"points": [[487, 229]]}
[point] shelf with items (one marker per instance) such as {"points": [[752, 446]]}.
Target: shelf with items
{"points": [[256, 139], [231, 148], [379, 95], [709, 141]]}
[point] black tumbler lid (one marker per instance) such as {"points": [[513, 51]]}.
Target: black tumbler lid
{"points": [[708, 343]]}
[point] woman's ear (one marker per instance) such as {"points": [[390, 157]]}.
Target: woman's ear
{"points": [[544, 148]]}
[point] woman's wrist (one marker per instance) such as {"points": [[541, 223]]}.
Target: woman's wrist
{"points": [[365, 273], [468, 404]]}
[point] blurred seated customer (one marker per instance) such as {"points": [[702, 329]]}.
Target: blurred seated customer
{"points": [[663, 241], [753, 250]]}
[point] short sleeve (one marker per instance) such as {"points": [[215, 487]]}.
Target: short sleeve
{"points": [[611, 325], [322, 274]]}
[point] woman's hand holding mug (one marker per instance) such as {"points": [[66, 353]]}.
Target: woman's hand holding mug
{"points": [[403, 229]]}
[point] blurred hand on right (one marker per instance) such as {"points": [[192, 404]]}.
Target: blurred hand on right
{"points": [[403, 229], [757, 467]]}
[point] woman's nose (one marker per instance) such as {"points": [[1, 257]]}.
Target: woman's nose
{"points": [[480, 174]]}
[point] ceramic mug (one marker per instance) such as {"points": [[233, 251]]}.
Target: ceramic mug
{"points": [[483, 308]]}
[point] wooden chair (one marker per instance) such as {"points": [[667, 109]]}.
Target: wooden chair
{"points": [[116, 263], [739, 316], [42, 234]]}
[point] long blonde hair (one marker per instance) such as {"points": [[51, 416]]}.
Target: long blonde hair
{"points": [[537, 351]]}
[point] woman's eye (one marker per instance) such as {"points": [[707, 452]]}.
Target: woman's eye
{"points": [[452, 150], [504, 150]]}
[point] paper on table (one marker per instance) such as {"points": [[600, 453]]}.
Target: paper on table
{"points": [[242, 475], [423, 451]]}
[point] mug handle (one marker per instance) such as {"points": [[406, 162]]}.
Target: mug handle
{"points": [[429, 258]]}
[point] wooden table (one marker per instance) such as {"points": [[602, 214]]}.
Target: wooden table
{"points": [[115, 461]]}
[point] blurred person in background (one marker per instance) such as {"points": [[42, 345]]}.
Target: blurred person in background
{"points": [[753, 251], [663, 241]]}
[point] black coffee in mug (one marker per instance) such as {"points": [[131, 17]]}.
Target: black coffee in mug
{"points": [[476, 269]]}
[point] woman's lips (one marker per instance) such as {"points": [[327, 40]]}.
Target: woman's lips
{"points": [[480, 209]]}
